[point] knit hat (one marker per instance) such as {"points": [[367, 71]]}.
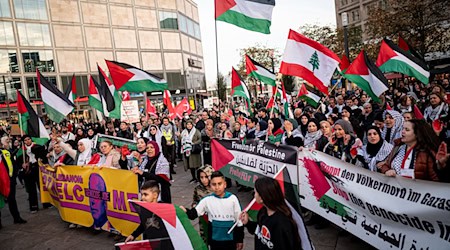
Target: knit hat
{"points": [[346, 126], [293, 122]]}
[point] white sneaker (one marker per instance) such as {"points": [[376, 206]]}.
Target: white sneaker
{"points": [[72, 226]]}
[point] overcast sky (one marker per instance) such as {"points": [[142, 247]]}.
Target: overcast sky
{"points": [[287, 14]]}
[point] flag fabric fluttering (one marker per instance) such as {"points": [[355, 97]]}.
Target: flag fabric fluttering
{"points": [[150, 109], [417, 113], [180, 109], [254, 15], [132, 79], [394, 59], [272, 105], [239, 88], [257, 71], [71, 90], [175, 224], [367, 76], [404, 45], [167, 100], [285, 102], [310, 97], [309, 60], [110, 97], [94, 99], [345, 63], [29, 121], [57, 105]]}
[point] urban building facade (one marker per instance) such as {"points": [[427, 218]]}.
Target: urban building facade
{"points": [[66, 37]]}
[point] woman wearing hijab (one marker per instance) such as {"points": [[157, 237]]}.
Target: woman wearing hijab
{"points": [[291, 136], [393, 124], [156, 167], [207, 134], [303, 126], [155, 134], [375, 151], [274, 131], [190, 137], [84, 155], [343, 144], [314, 137], [261, 130]]}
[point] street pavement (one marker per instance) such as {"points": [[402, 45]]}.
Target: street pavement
{"points": [[46, 230]]}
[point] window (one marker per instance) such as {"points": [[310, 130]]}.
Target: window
{"points": [[31, 9], [6, 34], [82, 84], [197, 31], [190, 26], [33, 88], [34, 34], [11, 85], [8, 61], [183, 23], [4, 8], [175, 80], [344, 2], [41, 59], [355, 15], [168, 20]]}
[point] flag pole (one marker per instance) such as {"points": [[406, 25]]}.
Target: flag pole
{"points": [[254, 200], [217, 50], [21, 135], [328, 96]]}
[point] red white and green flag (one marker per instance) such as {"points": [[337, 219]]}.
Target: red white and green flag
{"points": [[110, 97], [404, 45], [182, 235], [394, 59], [272, 104], [132, 79], [57, 105], [71, 90], [29, 121], [308, 96], [94, 99], [257, 71], [345, 63], [239, 88], [285, 101], [254, 15], [309, 60], [367, 76]]}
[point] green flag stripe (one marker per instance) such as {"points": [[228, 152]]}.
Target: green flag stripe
{"points": [[196, 240], [263, 79], [363, 84], [245, 22]]}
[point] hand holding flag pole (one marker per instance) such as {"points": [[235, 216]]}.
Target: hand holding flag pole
{"points": [[253, 201]]}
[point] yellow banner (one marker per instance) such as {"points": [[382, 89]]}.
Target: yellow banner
{"points": [[90, 196]]}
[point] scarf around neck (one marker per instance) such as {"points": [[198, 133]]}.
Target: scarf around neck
{"points": [[311, 138]]}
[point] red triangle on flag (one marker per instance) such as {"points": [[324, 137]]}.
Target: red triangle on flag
{"points": [[402, 44], [417, 112], [165, 211], [220, 155], [118, 74], [222, 6], [345, 63]]}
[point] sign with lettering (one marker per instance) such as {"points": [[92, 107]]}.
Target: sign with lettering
{"points": [[256, 158], [90, 196], [386, 212], [130, 111]]}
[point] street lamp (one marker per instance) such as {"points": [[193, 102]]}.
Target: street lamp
{"points": [[6, 93], [344, 19]]}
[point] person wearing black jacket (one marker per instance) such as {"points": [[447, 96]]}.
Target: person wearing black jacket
{"points": [[251, 128], [275, 228], [33, 153], [124, 132]]}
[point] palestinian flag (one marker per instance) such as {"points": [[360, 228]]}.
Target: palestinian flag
{"points": [[254, 15], [257, 71], [110, 97], [345, 63], [238, 87], [132, 79], [309, 60], [175, 224], [285, 102], [71, 90], [57, 105], [367, 76], [394, 59], [94, 97], [290, 191], [29, 121], [404, 45], [311, 98]]}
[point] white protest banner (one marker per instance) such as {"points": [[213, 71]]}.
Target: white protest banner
{"points": [[130, 111], [386, 212], [246, 161]]}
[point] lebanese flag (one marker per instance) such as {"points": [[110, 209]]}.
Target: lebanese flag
{"points": [[175, 223], [257, 71], [167, 100], [94, 99], [29, 121], [290, 191], [345, 63], [150, 109], [367, 76], [57, 105], [71, 90], [394, 59], [309, 60], [254, 15], [132, 79]]}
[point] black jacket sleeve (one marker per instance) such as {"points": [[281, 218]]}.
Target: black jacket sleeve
{"points": [[294, 141], [238, 234], [251, 226], [192, 213], [139, 230]]}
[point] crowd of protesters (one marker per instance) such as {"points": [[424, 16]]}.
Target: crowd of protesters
{"points": [[390, 137]]}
